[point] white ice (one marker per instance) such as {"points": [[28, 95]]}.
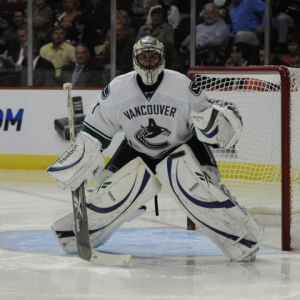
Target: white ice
{"points": [[168, 261]]}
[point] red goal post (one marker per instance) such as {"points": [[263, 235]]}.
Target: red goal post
{"points": [[267, 98]]}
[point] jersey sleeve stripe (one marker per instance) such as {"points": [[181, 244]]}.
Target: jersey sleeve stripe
{"points": [[98, 104], [192, 127], [97, 130]]}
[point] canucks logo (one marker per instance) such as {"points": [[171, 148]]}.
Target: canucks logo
{"points": [[105, 92], [151, 131], [195, 89]]}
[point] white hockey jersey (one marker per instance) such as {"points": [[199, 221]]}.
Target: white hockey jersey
{"points": [[152, 126]]}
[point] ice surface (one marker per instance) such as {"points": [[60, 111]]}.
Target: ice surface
{"points": [[168, 261]]}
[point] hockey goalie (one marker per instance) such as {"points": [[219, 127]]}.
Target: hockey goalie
{"points": [[161, 113]]}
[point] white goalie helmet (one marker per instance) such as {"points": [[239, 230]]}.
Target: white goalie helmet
{"points": [[148, 59]]}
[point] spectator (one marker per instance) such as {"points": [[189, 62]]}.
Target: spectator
{"points": [[249, 16], [142, 7], [17, 48], [122, 17], [295, 59], [273, 59], [66, 17], [100, 46], [3, 25], [246, 37], [223, 6], [82, 34], [293, 45], [98, 15], [240, 56], [42, 19], [282, 22], [212, 31], [82, 73], [293, 42], [158, 28], [209, 56], [43, 70], [170, 12], [123, 54], [58, 52], [10, 35]]}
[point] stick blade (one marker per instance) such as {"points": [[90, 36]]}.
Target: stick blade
{"points": [[101, 258]]}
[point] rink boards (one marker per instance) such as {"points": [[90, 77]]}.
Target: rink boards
{"points": [[30, 141]]}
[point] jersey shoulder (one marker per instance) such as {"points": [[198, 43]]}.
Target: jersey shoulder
{"points": [[180, 85], [119, 89]]}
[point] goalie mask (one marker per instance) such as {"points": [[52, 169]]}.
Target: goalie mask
{"points": [[148, 59]]}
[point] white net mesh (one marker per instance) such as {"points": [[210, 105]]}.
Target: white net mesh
{"points": [[252, 168]]}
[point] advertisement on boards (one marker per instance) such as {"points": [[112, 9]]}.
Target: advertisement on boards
{"points": [[34, 122]]}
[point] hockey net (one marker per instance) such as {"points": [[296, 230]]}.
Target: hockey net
{"points": [[263, 169]]}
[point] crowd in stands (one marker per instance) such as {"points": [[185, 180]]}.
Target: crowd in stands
{"points": [[71, 38]]}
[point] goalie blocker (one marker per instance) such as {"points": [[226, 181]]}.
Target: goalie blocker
{"points": [[83, 161], [196, 190]]}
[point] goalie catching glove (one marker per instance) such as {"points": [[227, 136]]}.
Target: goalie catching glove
{"points": [[218, 125], [81, 162]]}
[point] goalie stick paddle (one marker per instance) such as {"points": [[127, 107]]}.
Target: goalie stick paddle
{"points": [[85, 251]]}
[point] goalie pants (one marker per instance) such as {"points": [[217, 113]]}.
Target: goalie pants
{"points": [[125, 154]]}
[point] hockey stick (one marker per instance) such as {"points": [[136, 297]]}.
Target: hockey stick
{"points": [[85, 251]]}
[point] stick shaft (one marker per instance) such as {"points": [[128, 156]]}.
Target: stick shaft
{"points": [[70, 115], [85, 251], [78, 197], [156, 205]]}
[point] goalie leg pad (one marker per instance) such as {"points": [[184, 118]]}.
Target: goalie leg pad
{"points": [[210, 205], [118, 199]]}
